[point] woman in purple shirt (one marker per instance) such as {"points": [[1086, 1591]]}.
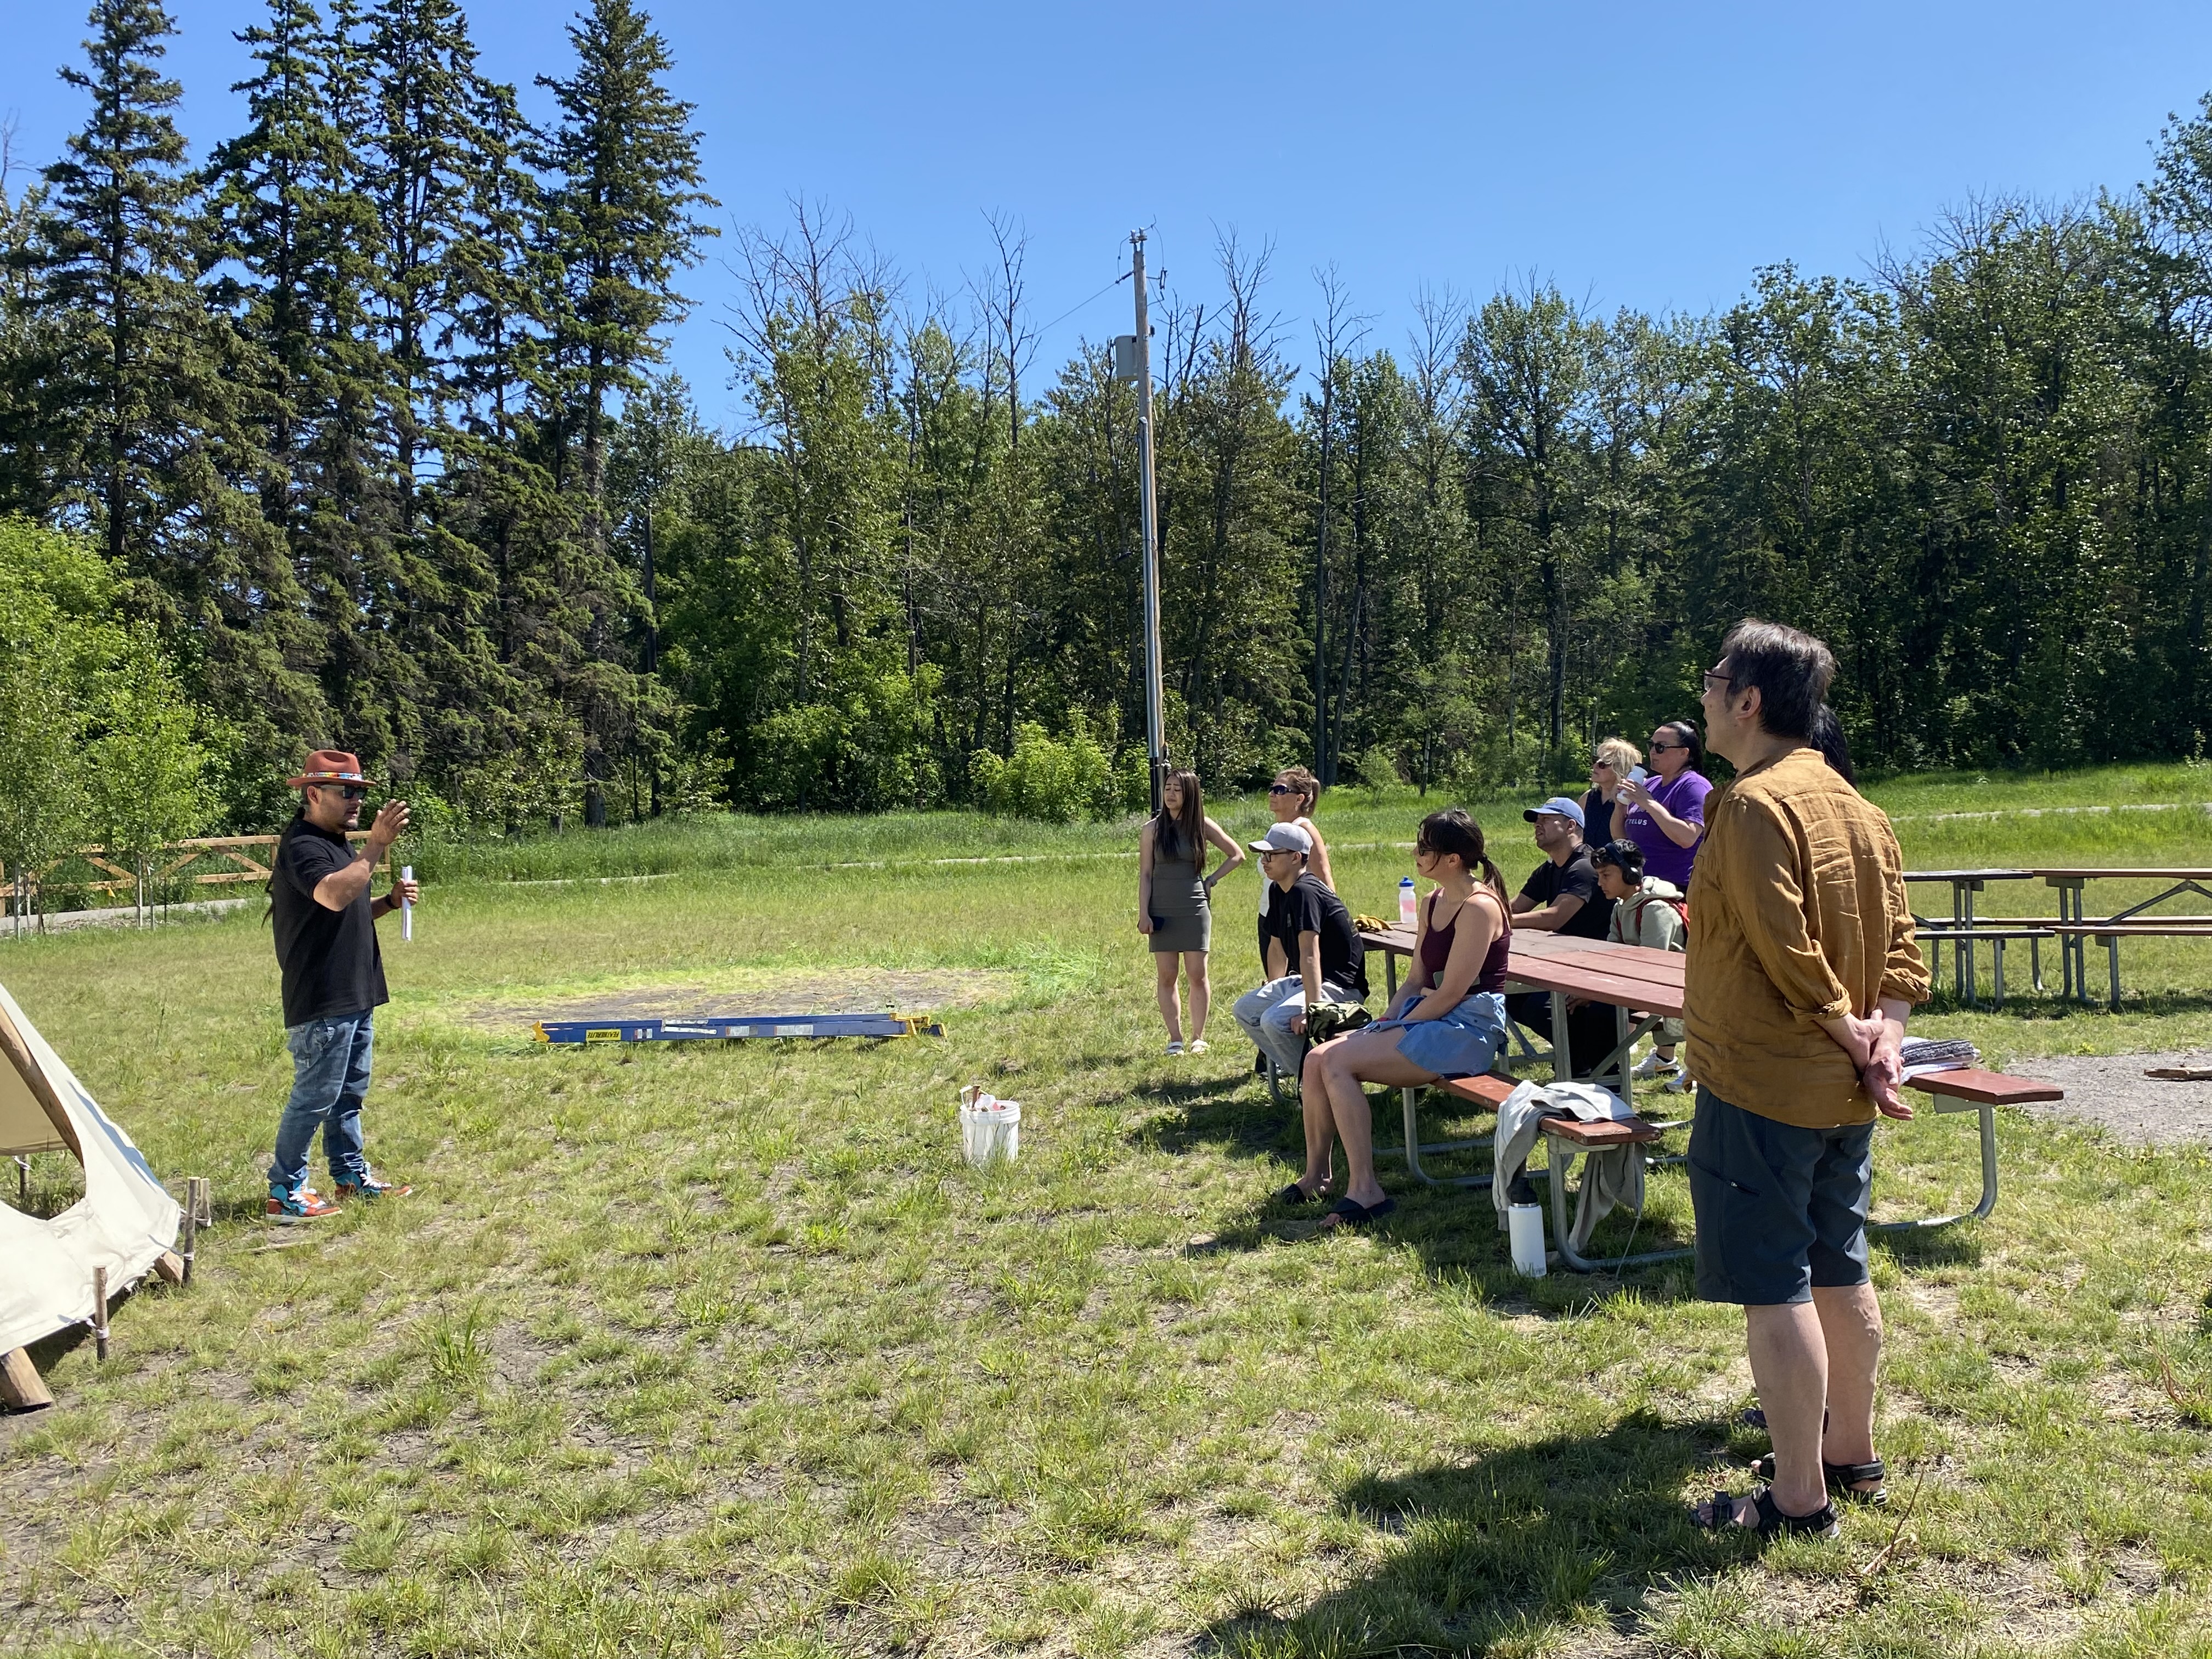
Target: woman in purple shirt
{"points": [[1665, 813]]}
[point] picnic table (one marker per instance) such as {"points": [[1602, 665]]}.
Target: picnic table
{"points": [[1649, 981], [1627, 976], [1964, 885], [2075, 928]]}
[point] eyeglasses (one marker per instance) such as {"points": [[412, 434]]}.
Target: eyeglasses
{"points": [[1663, 748], [350, 791], [1285, 789], [1713, 675]]}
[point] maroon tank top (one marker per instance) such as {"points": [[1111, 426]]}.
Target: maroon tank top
{"points": [[1436, 944]]}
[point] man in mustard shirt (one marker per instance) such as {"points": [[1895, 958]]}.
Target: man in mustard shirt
{"points": [[1801, 966]]}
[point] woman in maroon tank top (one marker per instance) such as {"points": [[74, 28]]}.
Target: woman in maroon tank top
{"points": [[1447, 1020]]}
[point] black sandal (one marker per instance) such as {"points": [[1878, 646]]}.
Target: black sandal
{"points": [[1351, 1214], [1295, 1193], [1720, 1516], [1843, 1479]]}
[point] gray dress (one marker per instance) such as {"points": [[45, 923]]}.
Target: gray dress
{"points": [[1181, 919]]}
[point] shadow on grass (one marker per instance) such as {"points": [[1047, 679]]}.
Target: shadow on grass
{"points": [[1520, 1544], [1453, 1228]]}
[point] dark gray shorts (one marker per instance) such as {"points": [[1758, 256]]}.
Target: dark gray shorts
{"points": [[1779, 1209]]}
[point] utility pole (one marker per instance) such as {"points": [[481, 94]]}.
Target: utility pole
{"points": [[1132, 361]]}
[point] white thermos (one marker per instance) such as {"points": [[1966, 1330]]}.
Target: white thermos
{"points": [[406, 909], [1525, 1227]]}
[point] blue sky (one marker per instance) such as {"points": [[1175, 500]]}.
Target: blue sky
{"points": [[1640, 155]]}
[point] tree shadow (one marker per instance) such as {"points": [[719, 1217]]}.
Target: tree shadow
{"points": [[1519, 1543]]}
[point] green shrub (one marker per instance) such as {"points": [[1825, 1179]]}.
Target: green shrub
{"points": [[1053, 780]]}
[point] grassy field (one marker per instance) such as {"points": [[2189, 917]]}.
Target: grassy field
{"points": [[722, 1350]]}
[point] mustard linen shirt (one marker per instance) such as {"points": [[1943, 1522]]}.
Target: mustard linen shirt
{"points": [[1798, 914]]}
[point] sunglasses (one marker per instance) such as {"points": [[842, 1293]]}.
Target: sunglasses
{"points": [[1285, 789], [350, 791]]}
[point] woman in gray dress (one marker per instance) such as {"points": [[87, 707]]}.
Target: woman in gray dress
{"points": [[1172, 890]]}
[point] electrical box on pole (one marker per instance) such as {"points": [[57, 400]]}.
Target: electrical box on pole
{"points": [[1125, 356], [1141, 352]]}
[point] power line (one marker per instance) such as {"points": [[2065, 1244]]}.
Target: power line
{"points": [[1079, 304]]}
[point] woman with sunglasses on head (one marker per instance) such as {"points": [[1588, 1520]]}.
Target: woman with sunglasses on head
{"points": [[1664, 812], [1173, 891], [1292, 798], [1448, 1020]]}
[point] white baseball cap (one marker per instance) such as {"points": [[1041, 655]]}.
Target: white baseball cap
{"points": [[1284, 838]]}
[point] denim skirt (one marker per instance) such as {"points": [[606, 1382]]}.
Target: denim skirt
{"points": [[1463, 1043]]}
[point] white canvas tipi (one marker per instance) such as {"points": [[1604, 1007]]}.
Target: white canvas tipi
{"points": [[123, 1223]]}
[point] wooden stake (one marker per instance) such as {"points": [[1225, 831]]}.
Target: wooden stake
{"points": [[191, 1238], [21, 1387], [100, 1312], [23, 1181]]}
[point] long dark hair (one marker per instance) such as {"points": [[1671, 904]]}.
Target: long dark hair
{"points": [[1174, 832], [1452, 831], [1828, 738], [1687, 733]]}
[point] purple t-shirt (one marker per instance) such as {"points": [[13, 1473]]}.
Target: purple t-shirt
{"points": [[1685, 799]]}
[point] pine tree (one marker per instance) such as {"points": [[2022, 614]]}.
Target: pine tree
{"points": [[149, 392], [625, 165]]}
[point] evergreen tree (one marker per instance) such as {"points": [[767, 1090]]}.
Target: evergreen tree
{"points": [[625, 178], [144, 395]]}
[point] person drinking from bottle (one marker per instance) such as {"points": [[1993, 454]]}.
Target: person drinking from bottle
{"points": [[324, 923]]}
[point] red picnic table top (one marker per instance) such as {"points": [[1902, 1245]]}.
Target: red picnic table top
{"points": [[1628, 975]]}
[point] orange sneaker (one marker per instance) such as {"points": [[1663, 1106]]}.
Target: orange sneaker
{"points": [[369, 1187], [302, 1203]]}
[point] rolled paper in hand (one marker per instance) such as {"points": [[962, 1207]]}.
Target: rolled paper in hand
{"points": [[406, 909]]}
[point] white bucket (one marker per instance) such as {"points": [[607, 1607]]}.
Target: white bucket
{"points": [[990, 1128], [1525, 1224]]}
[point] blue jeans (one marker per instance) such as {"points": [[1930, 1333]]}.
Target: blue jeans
{"points": [[330, 1080]]}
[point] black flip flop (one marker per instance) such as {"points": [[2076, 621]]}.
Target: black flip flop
{"points": [[1352, 1214]]}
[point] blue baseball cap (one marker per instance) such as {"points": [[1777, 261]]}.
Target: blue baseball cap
{"points": [[1557, 806]]}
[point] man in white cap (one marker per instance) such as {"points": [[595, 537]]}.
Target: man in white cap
{"points": [[1314, 953]]}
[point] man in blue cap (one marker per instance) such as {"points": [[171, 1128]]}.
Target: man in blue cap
{"points": [[1562, 896]]}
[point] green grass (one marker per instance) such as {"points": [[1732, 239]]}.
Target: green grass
{"points": [[721, 1350]]}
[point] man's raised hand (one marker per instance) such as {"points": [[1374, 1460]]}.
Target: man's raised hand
{"points": [[391, 823]]}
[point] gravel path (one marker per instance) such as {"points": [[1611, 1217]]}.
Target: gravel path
{"points": [[2111, 1091]]}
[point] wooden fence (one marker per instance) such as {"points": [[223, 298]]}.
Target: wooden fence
{"points": [[233, 859]]}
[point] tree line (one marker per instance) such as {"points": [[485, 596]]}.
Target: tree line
{"points": [[362, 413]]}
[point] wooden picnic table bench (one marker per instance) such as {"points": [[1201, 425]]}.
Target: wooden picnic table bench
{"points": [[1627, 976], [1961, 932], [1961, 1089], [2071, 886]]}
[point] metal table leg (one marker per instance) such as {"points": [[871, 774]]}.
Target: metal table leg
{"points": [[1996, 951], [1988, 1199], [2113, 955], [1557, 1160]]}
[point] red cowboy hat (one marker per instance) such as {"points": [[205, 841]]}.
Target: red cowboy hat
{"points": [[328, 766]]}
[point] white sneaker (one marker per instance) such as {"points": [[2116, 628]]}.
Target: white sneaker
{"points": [[1198, 1045], [1651, 1065], [1681, 1083], [1175, 1048]]}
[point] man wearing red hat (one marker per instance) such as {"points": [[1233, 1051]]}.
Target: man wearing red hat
{"points": [[326, 928]]}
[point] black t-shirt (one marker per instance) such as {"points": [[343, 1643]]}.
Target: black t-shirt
{"points": [[1575, 878], [1310, 908], [1597, 819], [330, 959]]}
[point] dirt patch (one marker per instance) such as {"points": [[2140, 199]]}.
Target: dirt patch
{"points": [[860, 992], [2111, 1091]]}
